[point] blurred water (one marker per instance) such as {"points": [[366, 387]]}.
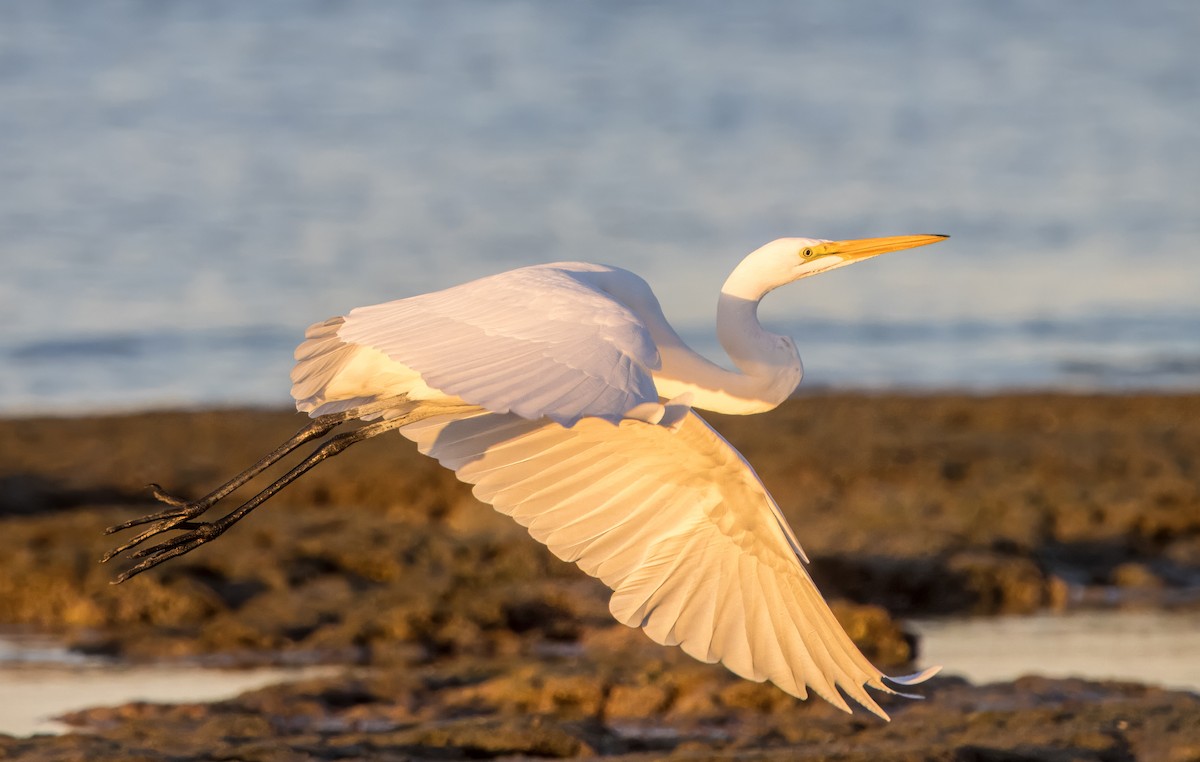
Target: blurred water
{"points": [[41, 680], [187, 185], [1156, 647]]}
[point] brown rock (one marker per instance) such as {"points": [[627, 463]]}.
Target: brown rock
{"points": [[947, 504], [636, 701], [1136, 576]]}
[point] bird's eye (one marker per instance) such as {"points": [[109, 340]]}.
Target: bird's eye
{"points": [[807, 253]]}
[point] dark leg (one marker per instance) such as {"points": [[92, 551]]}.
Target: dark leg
{"points": [[183, 510], [202, 532]]}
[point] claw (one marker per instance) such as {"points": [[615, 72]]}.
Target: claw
{"points": [[160, 516], [166, 497], [180, 514], [155, 560], [178, 517], [167, 549], [173, 522], [202, 533], [169, 518]]}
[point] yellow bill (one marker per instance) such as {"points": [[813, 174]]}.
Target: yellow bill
{"points": [[864, 248]]}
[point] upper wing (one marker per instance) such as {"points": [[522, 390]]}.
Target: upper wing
{"points": [[541, 341], [679, 526]]}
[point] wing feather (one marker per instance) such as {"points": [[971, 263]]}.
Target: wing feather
{"points": [[515, 488], [765, 646], [547, 341], [800, 663], [730, 642], [671, 585], [697, 619], [569, 529], [678, 525]]}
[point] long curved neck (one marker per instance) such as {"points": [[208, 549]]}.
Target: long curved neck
{"points": [[753, 349], [769, 364]]}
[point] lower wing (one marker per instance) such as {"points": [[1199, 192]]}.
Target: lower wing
{"points": [[679, 526]]}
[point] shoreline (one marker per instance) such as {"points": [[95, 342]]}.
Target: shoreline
{"points": [[908, 505]]}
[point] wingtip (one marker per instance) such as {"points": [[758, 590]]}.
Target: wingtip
{"points": [[916, 677], [873, 707]]}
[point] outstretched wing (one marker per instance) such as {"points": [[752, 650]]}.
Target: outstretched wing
{"points": [[678, 525], [541, 341]]}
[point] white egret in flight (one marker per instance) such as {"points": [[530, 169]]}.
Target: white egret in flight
{"points": [[563, 395]]}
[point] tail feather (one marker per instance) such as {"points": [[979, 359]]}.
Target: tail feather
{"points": [[319, 358]]}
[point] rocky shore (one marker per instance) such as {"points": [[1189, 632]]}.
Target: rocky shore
{"points": [[463, 638]]}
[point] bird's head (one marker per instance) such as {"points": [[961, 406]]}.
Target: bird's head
{"points": [[789, 259], [810, 256]]}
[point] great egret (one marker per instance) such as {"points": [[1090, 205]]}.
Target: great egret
{"points": [[561, 392]]}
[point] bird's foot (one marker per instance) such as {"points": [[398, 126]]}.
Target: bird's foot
{"points": [[176, 517], [163, 496], [196, 535]]}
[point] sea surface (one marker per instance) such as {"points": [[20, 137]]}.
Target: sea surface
{"points": [[185, 186]]}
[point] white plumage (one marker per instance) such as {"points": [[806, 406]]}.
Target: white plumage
{"points": [[677, 524], [541, 341], [564, 396], [561, 360]]}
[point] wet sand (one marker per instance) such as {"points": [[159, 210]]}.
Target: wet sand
{"points": [[471, 640]]}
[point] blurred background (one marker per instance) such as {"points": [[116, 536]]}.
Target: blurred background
{"points": [[186, 186]]}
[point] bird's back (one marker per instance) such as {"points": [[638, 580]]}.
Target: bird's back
{"points": [[555, 341]]}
